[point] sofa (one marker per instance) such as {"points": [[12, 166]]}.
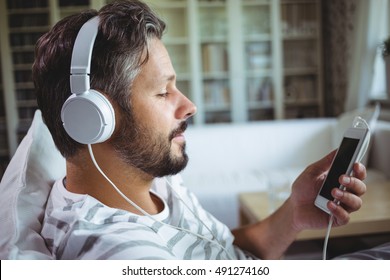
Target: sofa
{"points": [[225, 161], [229, 159]]}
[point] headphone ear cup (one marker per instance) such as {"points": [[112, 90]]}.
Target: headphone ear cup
{"points": [[88, 118]]}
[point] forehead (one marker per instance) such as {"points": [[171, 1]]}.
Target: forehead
{"points": [[158, 68]]}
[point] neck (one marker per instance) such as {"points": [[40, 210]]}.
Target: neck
{"points": [[83, 177]]}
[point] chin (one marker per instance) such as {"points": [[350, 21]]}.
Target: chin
{"points": [[178, 150]]}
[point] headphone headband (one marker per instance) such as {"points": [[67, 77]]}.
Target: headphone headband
{"points": [[81, 56], [87, 115]]}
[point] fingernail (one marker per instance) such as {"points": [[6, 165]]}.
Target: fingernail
{"points": [[332, 206], [338, 193], [345, 180]]}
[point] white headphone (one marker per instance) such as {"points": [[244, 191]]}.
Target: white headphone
{"points": [[87, 115]]}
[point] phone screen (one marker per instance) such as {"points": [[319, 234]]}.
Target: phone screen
{"points": [[339, 166]]}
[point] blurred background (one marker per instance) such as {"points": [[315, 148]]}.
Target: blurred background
{"points": [[238, 60]]}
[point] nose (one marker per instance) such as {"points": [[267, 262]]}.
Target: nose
{"points": [[186, 108]]}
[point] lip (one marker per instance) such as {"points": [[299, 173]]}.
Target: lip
{"points": [[179, 138], [177, 135]]}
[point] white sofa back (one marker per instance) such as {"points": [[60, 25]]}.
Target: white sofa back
{"points": [[228, 159], [257, 145]]}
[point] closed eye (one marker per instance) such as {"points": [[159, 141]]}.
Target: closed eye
{"points": [[163, 94]]}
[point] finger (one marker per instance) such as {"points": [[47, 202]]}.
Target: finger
{"points": [[340, 215], [359, 171], [353, 185], [323, 164], [349, 201]]}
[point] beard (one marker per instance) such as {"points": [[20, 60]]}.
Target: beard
{"points": [[147, 150]]}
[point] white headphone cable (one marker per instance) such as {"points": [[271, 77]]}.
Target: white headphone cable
{"points": [[150, 216]]}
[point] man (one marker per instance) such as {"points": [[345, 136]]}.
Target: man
{"points": [[114, 202]]}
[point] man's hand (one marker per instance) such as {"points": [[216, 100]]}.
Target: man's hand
{"points": [[307, 185], [270, 237]]}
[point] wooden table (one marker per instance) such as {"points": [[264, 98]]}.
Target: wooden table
{"points": [[372, 218]]}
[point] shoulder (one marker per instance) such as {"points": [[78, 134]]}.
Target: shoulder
{"points": [[80, 227], [111, 241]]}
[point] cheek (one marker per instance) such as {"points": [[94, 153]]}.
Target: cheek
{"points": [[152, 116], [142, 110]]}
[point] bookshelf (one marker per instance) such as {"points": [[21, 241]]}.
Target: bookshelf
{"points": [[4, 154], [22, 23], [246, 60], [302, 61], [237, 60], [27, 21], [8, 115], [262, 49]]}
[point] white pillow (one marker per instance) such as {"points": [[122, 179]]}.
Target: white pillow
{"points": [[370, 114], [24, 189]]}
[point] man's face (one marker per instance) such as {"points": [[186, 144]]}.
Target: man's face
{"points": [[151, 136]]}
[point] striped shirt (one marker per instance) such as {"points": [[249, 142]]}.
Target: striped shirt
{"points": [[80, 227]]}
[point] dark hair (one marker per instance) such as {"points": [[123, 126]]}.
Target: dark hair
{"points": [[120, 49]]}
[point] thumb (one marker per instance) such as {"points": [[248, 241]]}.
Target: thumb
{"points": [[322, 165]]}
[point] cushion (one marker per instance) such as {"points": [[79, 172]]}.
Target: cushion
{"points": [[345, 121], [24, 190]]}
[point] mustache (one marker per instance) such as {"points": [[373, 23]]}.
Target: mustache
{"points": [[179, 130]]}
